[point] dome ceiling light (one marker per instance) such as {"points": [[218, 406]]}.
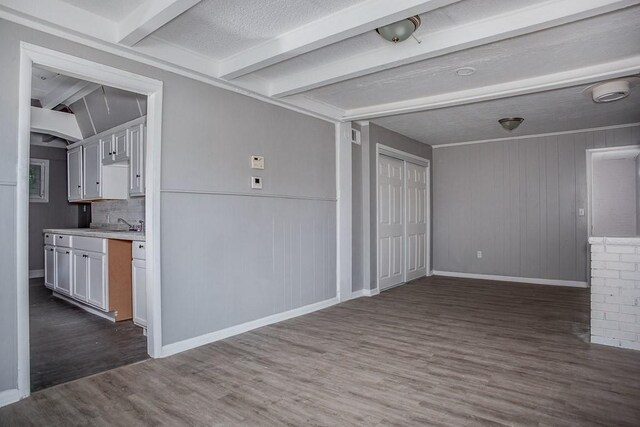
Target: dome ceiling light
{"points": [[465, 71], [510, 123], [613, 90], [401, 30]]}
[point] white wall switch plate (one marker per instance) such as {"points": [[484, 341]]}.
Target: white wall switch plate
{"points": [[256, 182], [257, 162], [479, 254]]}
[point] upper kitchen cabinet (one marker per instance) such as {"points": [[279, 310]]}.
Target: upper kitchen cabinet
{"points": [[136, 138], [109, 165]]}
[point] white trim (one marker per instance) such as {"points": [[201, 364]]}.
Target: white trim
{"points": [[421, 161], [36, 274], [245, 194], [138, 56], [103, 74], [109, 315], [7, 397], [364, 293], [538, 135], [209, 338], [344, 217], [532, 280]]}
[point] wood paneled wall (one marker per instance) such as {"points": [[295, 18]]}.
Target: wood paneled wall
{"points": [[517, 201]]}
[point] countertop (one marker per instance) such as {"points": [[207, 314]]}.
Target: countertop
{"points": [[96, 232]]}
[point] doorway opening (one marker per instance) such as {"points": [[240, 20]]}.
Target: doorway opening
{"points": [[88, 218], [613, 191], [402, 217]]}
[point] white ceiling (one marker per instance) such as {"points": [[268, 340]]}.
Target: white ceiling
{"points": [[323, 57]]}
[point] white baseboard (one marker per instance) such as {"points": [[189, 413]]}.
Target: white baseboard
{"points": [[364, 293], [533, 280], [35, 274], [109, 316], [8, 397], [188, 344]]}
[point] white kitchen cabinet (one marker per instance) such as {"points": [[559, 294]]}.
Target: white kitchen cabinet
{"points": [[80, 278], [97, 280], [74, 174], [92, 171], [49, 266], [139, 283], [135, 135], [63, 266], [115, 147], [106, 143]]}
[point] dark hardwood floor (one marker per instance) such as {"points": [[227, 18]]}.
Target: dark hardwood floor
{"points": [[67, 343], [438, 351]]}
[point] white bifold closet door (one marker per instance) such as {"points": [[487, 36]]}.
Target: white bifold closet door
{"points": [[390, 221], [416, 220]]}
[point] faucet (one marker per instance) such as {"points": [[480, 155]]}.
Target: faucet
{"points": [[131, 227]]}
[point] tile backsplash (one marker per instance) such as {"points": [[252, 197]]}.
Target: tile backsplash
{"points": [[108, 211]]}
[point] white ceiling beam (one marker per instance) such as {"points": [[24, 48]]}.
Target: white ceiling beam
{"points": [[330, 29], [65, 16], [150, 16], [56, 123], [63, 92], [564, 79], [512, 24]]}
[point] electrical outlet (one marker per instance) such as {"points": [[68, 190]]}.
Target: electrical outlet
{"points": [[256, 182], [581, 212], [257, 162], [479, 254]]}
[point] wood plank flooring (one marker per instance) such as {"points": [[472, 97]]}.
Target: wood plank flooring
{"points": [[438, 351], [67, 343]]}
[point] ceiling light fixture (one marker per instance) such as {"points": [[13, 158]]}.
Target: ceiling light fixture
{"points": [[610, 91], [465, 71], [401, 30], [510, 123]]}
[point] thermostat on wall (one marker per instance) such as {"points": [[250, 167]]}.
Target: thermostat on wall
{"points": [[256, 182], [257, 162]]}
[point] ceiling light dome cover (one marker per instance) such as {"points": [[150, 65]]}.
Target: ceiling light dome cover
{"points": [[510, 123], [401, 30], [610, 91]]}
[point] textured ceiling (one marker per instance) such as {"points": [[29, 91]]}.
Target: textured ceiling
{"points": [[110, 9], [553, 111], [221, 28], [596, 40], [44, 82]]}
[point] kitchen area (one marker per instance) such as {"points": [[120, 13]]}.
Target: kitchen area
{"points": [[88, 296]]}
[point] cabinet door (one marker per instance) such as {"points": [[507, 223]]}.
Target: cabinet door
{"points": [[107, 150], [63, 271], [121, 146], [92, 171], [139, 284], [49, 267], [136, 160], [80, 269], [97, 280], [74, 174]]}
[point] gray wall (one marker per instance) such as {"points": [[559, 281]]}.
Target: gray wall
{"points": [[613, 197], [517, 201], [637, 179], [58, 213], [282, 244], [365, 196]]}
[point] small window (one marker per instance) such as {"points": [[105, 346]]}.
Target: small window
{"points": [[39, 181]]}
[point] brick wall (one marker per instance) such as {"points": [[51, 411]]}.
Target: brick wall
{"points": [[615, 291]]}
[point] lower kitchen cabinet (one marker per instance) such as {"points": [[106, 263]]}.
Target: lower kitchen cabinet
{"points": [[63, 266], [89, 278], [49, 266]]}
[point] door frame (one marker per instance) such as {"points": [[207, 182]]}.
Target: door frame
{"points": [[385, 150], [99, 73]]}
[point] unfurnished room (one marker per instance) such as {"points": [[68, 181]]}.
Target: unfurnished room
{"points": [[311, 212]]}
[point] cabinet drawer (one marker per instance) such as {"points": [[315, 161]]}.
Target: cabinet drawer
{"points": [[93, 244], [62, 240], [48, 239], [139, 250]]}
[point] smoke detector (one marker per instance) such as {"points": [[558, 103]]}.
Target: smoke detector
{"points": [[610, 91]]}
